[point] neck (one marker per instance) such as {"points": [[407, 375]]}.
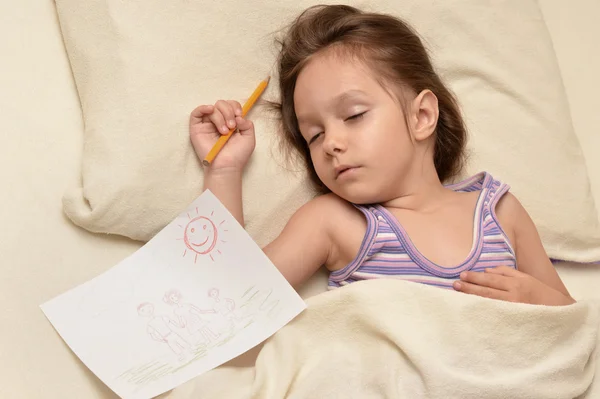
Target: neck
{"points": [[421, 190]]}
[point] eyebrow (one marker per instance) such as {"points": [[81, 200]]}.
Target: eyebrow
{"points": [[347, 95], [337, 100]]}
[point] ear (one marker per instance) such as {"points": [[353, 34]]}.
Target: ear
{"points": [[424, 115]]}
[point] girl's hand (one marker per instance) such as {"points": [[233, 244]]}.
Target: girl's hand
{"points": [[209, 122], [508, 284]]}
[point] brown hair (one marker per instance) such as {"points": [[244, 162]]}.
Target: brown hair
{"points": [[386, 44]]}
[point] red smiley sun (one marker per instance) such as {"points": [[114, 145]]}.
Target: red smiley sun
{"points": [[201, 236]]}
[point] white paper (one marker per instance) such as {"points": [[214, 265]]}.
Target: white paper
{"points": [[197, 295]]}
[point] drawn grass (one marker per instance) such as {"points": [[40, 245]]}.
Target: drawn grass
{"points": [[158, 368]]}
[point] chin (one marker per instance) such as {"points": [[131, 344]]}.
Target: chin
{"points": [[358, 194]]}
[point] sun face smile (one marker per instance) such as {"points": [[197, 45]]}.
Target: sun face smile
{"points": [[201, 244], [201, 236]]}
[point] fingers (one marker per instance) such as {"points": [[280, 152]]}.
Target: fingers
{"points": [[244, 126], [199, 112], [504, 271], [223, 118], [237, 107], [229, 110], [224, 115], [486, 292], [490, 280]]}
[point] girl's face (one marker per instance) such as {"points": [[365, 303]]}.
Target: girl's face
{"points": [[358, 138]]}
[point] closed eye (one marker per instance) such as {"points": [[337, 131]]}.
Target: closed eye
{"points": [[357, 116], [313, 138], [351, 118]]}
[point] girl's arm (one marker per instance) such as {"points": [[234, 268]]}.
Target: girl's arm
{"points": [[224, 175], [305, 244], [531, 255], [226, 185]]}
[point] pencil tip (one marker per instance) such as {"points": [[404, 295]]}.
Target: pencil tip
{"points": [[268, 78]]}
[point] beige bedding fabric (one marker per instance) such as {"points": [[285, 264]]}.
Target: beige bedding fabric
{"points": [[575, 31], [396, 339], [140, 68], [42, 254]]}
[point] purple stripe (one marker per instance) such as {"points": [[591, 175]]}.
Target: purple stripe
{"points": [[391, 240], [399, 262], [493, 231], [493, 245], [495, 250], [391, 271], [394, 251]]}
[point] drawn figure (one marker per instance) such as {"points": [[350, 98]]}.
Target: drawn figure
{"points": [[224, 307], [201, 236], [190, 317], [160, 328]]}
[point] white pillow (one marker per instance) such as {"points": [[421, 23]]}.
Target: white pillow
{"points": [[141, 66]]}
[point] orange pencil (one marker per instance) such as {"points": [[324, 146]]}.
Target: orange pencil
{"points": [[223, 139]]}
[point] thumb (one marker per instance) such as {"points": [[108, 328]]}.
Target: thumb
{"points": [[246, 127]]}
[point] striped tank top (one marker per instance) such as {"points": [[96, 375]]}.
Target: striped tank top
{"points": [[388, 252]]}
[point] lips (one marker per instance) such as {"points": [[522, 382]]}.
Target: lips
{"points": [[343, 169]]}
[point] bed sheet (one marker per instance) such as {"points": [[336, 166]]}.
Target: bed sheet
{"points": [[43, 255]]}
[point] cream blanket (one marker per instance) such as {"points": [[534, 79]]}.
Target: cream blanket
{"points": [[395, 339]]}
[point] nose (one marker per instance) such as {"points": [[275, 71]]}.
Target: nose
{"points": [[335, 142]]}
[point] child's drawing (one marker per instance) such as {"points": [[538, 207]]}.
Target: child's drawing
{"points": [[191, 317], [201, 236], [258, 302], [224, 307], [161, 328], [207, 328], [145, 326]]}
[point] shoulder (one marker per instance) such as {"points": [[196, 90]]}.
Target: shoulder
{"points": [[318, 219], [509, 207], [311, 238], [330, 200], [342, 224], [326, 207], [512, 216]]}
